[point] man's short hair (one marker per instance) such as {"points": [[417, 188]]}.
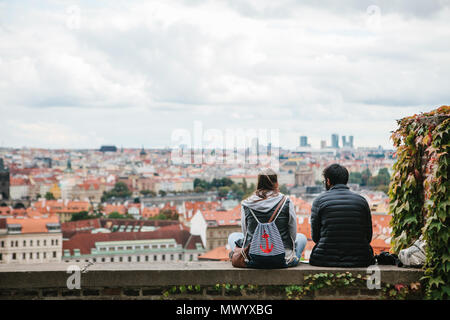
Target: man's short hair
{"points": [[336, 173]]}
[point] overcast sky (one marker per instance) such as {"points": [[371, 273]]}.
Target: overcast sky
{"points": [[79, 74]]}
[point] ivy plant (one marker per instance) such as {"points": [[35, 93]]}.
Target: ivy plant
{"points": [[420, 191]]}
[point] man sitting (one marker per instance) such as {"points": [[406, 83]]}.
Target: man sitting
{"points": [[341, 224]]}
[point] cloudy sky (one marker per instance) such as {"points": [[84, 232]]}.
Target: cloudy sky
{"points": [[79, 74]]}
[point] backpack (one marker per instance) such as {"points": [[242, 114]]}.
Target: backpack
{"points": [[266, 247], [414, 256]]}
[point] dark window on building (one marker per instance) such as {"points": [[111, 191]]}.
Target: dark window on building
{"points": [[54, 254], [14, 256], [129, 259]]}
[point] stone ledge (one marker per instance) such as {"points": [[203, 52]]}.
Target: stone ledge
{"points": [[188, 273]]}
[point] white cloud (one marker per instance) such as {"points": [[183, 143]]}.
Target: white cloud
{"points": [[133, 72]]}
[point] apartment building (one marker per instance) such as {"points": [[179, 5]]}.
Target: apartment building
{"points": [[172, 243], [25, 240], [214, 227]]}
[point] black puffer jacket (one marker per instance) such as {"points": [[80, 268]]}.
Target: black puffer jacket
{"points": [[341, 227]]}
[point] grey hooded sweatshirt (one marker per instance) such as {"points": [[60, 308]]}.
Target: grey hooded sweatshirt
{"points": [[286, 220]]}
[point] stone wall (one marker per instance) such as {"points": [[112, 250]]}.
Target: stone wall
{"points": [[189, 280]]}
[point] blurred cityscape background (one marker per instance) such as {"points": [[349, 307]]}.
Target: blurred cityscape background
{"points": [[117, 204]]}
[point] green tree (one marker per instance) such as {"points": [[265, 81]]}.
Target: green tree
{"points": [[162, 193], [250, 190], [148, 193], [284, 189], [244, 186], [49, 196], [116, 215], [120, 190], [384, 177], [223, 191], [199, 189], [355, 177], [82, 215], [165, 214], [365, 176]]}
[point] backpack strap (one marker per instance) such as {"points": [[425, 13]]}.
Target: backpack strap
{"points": [[278, 209], [254, 216]]}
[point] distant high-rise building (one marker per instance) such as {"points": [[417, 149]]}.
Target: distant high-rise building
{"points": [[351, 142], [348, 143], [335, 140], [4, 181], [323, 144], [303, 141]]}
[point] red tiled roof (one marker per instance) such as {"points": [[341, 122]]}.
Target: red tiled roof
{"points": [[109, 208], [87, 185], [150, 212], [18, 181], [33, 225], [108, 223], [86, 241], [304, 226], [81, 225], [231, 217], [216, 254], [191, 208], [5, 211], [54, 206], [301, 206]]}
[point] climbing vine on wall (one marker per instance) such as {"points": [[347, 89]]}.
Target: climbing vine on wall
{"points": [[419, 193]]}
